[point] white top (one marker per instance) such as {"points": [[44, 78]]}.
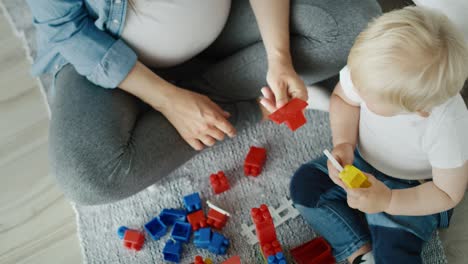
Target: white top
{"points": [[165, 33], [455, 10], [408, 146]]}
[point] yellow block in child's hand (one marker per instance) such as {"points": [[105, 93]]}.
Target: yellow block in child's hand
{"points": [[354, 178]]}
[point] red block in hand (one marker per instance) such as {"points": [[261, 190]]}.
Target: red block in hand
{"points": [[216, 219], [292, 114], [197, 220], [316, 251], [133, 239], [219, 182], [254, 161], [264, 225]]}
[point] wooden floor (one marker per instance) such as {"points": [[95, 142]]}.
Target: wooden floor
{"points": [[37, 224]]}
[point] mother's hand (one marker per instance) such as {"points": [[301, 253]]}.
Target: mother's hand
{"points": [[284, 84], [199, 121]]}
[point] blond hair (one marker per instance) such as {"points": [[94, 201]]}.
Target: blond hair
{"points": [[413, 58]]}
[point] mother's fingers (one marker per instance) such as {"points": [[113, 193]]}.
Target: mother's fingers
{"points": [[195, 144]]}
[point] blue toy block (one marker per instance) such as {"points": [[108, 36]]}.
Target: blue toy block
{"points": [[121, 231], [218, 244], [192, 202], [202, 238], [181, 231], [170, 216], [277, 259], [156, 228], [172, 251]]}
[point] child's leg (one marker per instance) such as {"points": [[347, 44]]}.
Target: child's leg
{"points": [[399, 239], [392, 245], [323, 204]]}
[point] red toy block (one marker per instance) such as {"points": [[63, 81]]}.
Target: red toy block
{"points": [[271, 248], [197, 220], [264, 225], [216, 219], [219, 182], [316, 251], [254, 161], [233, 260], [133, 239], [199, 260], [292, 114]]}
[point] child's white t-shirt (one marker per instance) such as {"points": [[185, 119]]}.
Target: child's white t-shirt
{"points": [[407, 146]]}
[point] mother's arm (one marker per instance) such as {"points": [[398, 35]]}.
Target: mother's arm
{"points": [[273, 21]]}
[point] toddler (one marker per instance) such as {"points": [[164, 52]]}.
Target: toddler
{"points": [[398, 116]]}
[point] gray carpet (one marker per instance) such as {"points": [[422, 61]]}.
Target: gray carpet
{"points": [[286, 151]]}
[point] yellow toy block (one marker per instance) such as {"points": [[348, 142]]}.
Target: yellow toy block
{"points": [[208, 261], [354, 178]]}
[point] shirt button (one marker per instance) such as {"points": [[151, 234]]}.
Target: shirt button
{"points": [[57, 67], [118, 1], [115, 21]]}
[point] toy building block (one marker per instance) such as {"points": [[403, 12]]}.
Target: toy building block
{"points": [[197, 220], [292, 114], [276, 259], [254, 161], [233, 260], [271, 248], [172, 251], [156, 228], [219, 182], [199, 260], [192, 202], [202, 238], [121, 231], [217, 217], [133, 239], [264, 226], [350, 175], [280, 215], [218, 244], [181, 231], [316, 251], [170, 216]]}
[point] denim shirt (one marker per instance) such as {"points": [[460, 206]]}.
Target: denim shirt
{"points": [[84, 33]]}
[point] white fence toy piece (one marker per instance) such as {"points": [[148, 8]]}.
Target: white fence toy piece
{"points": [[280, 215]]}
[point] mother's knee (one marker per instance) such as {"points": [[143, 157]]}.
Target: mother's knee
{"points": [[89, 174]]}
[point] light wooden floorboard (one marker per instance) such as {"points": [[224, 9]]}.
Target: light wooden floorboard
{"points": [[37, 225]]}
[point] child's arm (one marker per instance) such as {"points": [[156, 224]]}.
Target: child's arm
{"points": [[344, 118], [443, 193], [344, 122]]}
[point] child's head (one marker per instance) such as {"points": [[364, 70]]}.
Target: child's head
{"points": [[409, 60]]}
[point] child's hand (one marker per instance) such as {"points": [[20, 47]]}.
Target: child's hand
{"points": [[371, 200], [344, 154]]}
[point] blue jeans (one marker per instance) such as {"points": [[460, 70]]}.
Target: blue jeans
{"points": [[394, 238]]}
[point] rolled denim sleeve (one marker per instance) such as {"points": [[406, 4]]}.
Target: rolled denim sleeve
{"points": [[94, 53]]}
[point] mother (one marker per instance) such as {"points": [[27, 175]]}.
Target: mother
{"points": [[177, 72]]}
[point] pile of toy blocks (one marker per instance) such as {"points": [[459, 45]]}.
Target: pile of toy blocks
{"points": [[184, 222]]}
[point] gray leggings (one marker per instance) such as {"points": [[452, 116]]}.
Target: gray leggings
{"points": [[106, 145]]}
